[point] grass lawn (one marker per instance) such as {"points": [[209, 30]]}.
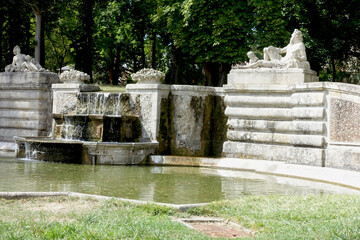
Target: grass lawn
{"points": [[271, 217]]}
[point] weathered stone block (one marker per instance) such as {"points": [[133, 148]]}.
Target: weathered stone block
{"points": [[343, 156], [344, 121], [240, 78], [289, 154]]}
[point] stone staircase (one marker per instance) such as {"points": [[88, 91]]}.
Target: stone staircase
{"points": [[280, 123]]}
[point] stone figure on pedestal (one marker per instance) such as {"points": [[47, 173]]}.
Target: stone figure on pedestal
{"points": [[295, 55], [23, 63]]}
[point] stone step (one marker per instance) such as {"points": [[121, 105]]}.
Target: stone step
{"points": [[24, 104], [7, 134], [24, 124], [23, 114], [7, 149], [308, 99], [303, 127], [277, 138], [310, 113], [289, 154], [277, 100], [24, 94], [258, 100]]}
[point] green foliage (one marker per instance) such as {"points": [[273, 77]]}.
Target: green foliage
{"points": [[333, 27], [182, 38], [210, 31], [274, 21]]}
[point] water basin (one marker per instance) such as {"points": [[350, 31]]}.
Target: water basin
{"points": [[177, 185]]}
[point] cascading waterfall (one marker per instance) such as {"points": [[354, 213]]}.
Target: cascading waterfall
{"points": [[99, 104], [28, 154], [118, 101], [72, 130], [103, 129]]}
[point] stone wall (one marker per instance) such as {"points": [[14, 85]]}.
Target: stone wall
{"points": [[343, 150], [25, 105], [313, 123], [185, 120], [197, 121], [277, 122]]}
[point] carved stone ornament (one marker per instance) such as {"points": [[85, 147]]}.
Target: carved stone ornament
{"points": [[295, 55], [23, 63], [148, 75], [74, 76]]}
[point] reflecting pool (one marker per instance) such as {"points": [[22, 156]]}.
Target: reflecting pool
{"points": [[178, 185]]}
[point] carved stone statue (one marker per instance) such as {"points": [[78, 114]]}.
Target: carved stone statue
{"points": [[74, 76], [148, 76], [23, 63], [252, 57], [295, 55]]}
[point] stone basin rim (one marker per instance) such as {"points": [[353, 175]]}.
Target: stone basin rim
{"points": [[69, 141], [335, 176]]}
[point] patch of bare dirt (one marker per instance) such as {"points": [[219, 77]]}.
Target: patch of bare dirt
{"points": [[62, 206], [57, 209], [215, 227]]}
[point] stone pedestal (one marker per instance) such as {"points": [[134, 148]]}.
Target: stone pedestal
{"points": [[65, 96], [240, 78], [276, 114], [150, 97], [25, 106]]}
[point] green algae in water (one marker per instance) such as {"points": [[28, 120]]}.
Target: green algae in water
{"points": [[177, 185]]}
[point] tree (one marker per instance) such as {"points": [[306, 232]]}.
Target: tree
{"points": [[334, 30], [39, 8], [15, 29], [211, 38]]}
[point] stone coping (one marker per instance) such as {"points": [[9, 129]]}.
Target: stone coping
{"points": [[147, 87], [77, 87], [86, 143], [273, 70], [176, 89], [335, 176], [313, 86], [16, 78]]}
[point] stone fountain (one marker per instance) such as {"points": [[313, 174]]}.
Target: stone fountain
{"points": [[90, 127]]}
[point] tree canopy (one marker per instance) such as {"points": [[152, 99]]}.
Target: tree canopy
{"points": [[192, 41]]}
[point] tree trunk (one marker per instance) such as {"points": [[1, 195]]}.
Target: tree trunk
{"points": [[223, 72], [116, 67], [88, 25], [142, 30], [39, 38], [210, 72], [135, 63], [174, 72], [2, 19], [333, 69], [153, 50]]}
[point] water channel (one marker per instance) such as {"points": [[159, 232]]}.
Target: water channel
{"points": [[177, 185]]}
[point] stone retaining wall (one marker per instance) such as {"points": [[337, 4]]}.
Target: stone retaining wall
{"points": [[25, 104], [313, 123]]}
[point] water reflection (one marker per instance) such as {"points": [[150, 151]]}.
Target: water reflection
{"points": [[160, 184]]}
